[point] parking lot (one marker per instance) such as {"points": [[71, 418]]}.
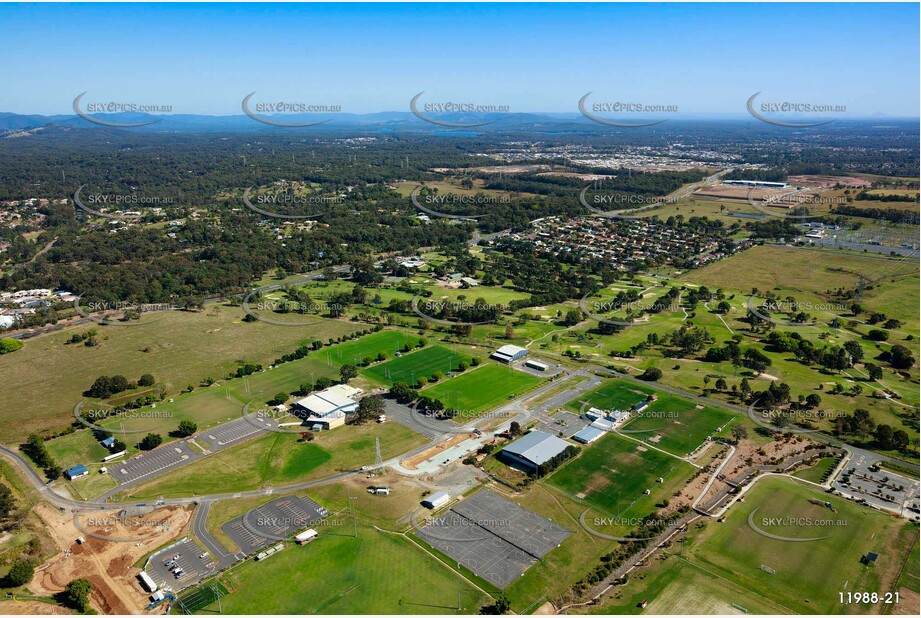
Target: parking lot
{"points": [[153, 462], [187, 557], [562, 423], [880, 487], [278, 520], [230, 433]]}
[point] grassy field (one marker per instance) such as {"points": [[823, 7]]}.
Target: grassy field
{"points": [[612, 473], [677, 425], [816, 472], [423, 363], [483, 388], [281, 459], [613, 395], [376, 573], [352, 352], [46, 378], [809, 574]]}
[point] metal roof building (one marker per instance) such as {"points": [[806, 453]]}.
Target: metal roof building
{"points": [[535, 449], [588, 435], [76, 472], [509, 353], [436, 500]]}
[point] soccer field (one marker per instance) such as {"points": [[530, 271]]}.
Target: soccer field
{"points": [[808, 574], [482, 388], [376, 573], [676, 425], [352, 352], [410, 367], [613, 472]]}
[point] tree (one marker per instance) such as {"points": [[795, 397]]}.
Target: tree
{"points": [[738, 432], [813, 400], [20, 574], [187, 428], [7, 502], [509, 331], [76, 595], [876, 334], [723, 307], [651, 374], [8, 344], [514, 428], [278, 399], [498, 608], [901, 357], [146, 380], [348, 372], [151, 441], [369, 407], [884, 437], [720, 384], [572, 318]]}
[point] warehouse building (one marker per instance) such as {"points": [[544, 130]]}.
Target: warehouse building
{"points": [[536, 365], [436, 500], [534, 449], [509, 354], [328, 408]]}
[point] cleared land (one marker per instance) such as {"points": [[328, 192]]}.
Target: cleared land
{"points": [[353, 352], [47, 377], [482, 388]]}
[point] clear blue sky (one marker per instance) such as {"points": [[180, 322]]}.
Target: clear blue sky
{"points": [[203, 58]]}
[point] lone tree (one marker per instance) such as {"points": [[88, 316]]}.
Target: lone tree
{"points": [[151, 441], [651, 374], [76, 595], [187, 428], [348, 372], [739, 433], [20, 574], [369, 407]]}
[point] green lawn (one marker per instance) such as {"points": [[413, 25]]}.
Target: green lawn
{"points": [[613, 472], [422, 363], [613, 395], [482, 389], [376, 573], [816, 472]]}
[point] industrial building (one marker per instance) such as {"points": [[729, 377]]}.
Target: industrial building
{"points": [[536, 364], [756, 183], [436, 500], [328, 408], [588, 435], [509, 354], [534, 449]]}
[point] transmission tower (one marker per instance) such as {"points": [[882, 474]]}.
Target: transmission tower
{"points": [[378, 460]]}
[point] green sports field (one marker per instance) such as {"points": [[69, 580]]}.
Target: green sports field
{"points": [[612, 473], [377, 573], [352, 352], [808, 574], [676, 425], [410, 367], [482, 388], [613, 395]]}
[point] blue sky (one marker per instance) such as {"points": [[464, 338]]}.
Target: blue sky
{"points": [[204, 58]]}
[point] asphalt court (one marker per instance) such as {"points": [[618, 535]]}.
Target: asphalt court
{"points": [[194, 568], [493, 537], [272, 522]]}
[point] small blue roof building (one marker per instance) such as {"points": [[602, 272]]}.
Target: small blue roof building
{"points": [[108, 442], [76, 472]]}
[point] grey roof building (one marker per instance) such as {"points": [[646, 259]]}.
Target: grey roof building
{"points": [[534, 449]]}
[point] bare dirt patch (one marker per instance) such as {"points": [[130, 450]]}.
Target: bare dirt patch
{"points": [[31, 608], [106, 564], [415, 460]]}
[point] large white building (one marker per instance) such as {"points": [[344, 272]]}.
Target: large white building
{"points": [[509, 353], [328, 408]]}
